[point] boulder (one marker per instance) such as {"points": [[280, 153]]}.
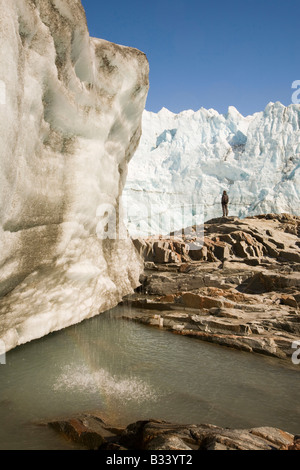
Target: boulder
{"points": [[87, 430]]}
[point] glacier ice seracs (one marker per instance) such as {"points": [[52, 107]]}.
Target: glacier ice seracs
{"points": [[70, 120], [186, 160]]}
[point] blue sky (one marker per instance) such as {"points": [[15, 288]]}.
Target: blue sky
{"points": [[210, 54]]}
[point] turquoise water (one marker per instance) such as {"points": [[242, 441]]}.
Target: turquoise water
{"points": [[129, 372]]}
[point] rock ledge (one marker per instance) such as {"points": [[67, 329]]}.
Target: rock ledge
{"points": [[238, 286], [91, 432]]}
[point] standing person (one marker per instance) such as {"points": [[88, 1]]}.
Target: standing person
{"points": [[225, 201]]}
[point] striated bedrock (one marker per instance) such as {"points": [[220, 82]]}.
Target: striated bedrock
{"points": [[70, 121], [89, 431], [236, 285]]}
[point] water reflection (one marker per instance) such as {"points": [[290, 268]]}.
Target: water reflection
{"points": [[129, 372]]}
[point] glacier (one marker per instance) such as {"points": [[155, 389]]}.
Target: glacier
{"points": [[70, 120], [184, 162]]}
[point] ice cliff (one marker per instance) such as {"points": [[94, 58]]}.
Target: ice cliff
{"points": [[185, 161], [70, 120]]}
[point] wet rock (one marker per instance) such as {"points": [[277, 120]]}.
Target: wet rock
{"points": [[294, 446], [91, 432], [86, 430]]}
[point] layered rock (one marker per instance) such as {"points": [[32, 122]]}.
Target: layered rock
{"points": [[91, 432], [237, 286], [252, 239], [70, 120]]}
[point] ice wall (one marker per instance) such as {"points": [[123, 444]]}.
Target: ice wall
{"points": [[185, 161], [70, 120]]}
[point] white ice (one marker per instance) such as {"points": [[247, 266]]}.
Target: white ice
{"points": [[70, 120], [185, 161]]}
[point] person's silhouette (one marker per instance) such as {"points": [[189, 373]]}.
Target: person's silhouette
{"points": [[224, 202]]}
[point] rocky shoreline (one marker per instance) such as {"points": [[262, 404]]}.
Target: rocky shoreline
{"points": [[237, 286], [90, 432]]}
